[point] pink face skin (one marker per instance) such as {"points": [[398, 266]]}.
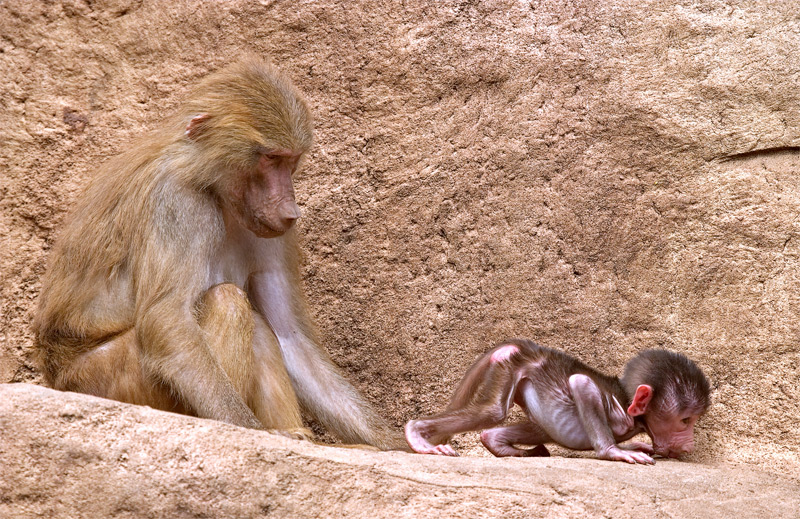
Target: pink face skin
{"points": [[672, 433], [263, 199]]}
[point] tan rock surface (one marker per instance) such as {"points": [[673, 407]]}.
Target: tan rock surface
{"points": [[597, 176], [78, 456]]}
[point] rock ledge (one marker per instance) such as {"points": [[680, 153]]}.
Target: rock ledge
{"points": [[71, 455]]}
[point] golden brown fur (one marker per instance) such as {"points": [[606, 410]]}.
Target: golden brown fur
{"points": [[176, 281]]}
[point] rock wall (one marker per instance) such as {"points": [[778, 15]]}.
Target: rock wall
{"points": [[597, 176]]}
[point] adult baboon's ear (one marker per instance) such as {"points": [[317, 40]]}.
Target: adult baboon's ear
{"points": [[196, 126]]}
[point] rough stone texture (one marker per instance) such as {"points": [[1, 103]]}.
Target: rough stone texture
{"points": [[78, 456], [597, 176]]}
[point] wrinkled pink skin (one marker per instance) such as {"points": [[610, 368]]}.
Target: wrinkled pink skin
{"points": [[263, 199], [672, 435], [421, 445]]}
